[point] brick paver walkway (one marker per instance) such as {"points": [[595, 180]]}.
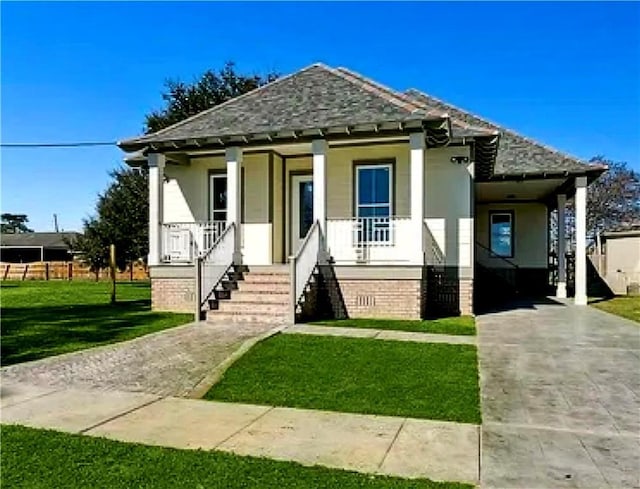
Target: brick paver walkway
{"points": [[170, 362]]}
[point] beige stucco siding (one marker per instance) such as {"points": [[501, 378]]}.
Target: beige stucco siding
{"points": [[340, 176], [531, 232], [448, 206]]}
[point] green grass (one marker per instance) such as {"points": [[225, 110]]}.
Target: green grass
{"points": [[624, 306], [45, 459], [40, 319], [419, 380], [462, 325]]}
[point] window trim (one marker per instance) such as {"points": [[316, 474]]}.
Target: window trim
{"points": [[363, 164], [511, 214]]}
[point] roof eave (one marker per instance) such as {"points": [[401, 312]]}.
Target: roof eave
{"points": [[284, 135]]}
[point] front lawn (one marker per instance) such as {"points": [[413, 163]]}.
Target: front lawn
{"points": [[461, 325], [624, 306], [418, 380], [40, 319], [38, 459]]}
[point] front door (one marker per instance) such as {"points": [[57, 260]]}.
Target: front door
{"points": [[301, 209]]}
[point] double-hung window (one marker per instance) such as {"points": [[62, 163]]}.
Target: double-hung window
{"points": [[501, 237], [374, 196]]}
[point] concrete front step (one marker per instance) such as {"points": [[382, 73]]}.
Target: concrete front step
{"points": [[253, 307], [262, 296], [263, 287], [240, 317], [272, 278]]}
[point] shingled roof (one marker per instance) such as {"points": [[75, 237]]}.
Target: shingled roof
{"points": [[44, 239], [316, 97], [517, 154], [320, 100]]}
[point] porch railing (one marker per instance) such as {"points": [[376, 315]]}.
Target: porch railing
{"points": [[182, 242], [212, 266], [303, 264], [364, 239]]}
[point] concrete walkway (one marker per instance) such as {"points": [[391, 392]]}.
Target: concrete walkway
{"points": [[379, 334], [171, 362], [560, 398], [372, 444]]}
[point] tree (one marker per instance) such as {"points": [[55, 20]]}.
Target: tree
{"points": [[613, 201], [183, 100], [14, 223], [122, 216]]}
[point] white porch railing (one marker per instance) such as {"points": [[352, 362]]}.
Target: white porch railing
{"points": [[213, 265], [182, 242], [370, 239], [304, 263]]}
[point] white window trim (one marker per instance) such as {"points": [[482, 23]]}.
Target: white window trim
{"points": [[368, 167]]}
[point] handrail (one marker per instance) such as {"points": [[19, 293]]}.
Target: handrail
{"points": [[303, 264], [212, 266], [493, 255], [433, 253]]}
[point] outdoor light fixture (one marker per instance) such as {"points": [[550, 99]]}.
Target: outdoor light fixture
{"points": [[459, 159]]}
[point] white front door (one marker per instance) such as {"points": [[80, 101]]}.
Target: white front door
{"points": [[301, 209]]}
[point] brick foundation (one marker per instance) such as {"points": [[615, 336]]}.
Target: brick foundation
{"points": [[173, 294], [388, 298], [466, 296]]}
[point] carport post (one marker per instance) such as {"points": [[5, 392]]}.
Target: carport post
{"points": [[580, 298], [561, 291]]}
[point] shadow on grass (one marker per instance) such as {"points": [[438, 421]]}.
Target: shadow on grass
{"points": [[30, 333]]}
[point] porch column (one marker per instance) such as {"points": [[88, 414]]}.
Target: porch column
{"points": [[319, 151], [561, 292], [233, 157], [156, 206], [417, 145], [580, 298]]}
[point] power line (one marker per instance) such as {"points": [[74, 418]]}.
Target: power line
{"points": [[58, 145]]}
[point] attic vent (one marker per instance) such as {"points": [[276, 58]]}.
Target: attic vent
{"points": [[365, 300]]}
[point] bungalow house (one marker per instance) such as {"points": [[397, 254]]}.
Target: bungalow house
{"points": [[35, 247], [325, 192]]}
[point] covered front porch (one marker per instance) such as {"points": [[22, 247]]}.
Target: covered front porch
{"points": [[367, 196]]}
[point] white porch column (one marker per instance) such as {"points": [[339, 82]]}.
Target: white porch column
{"points": [[581, 242], [561, 291], [319, 151], [233, 157], [417, 145], [156, 207]]}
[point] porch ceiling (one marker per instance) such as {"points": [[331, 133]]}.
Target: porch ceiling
{"points": [[518, 190]]}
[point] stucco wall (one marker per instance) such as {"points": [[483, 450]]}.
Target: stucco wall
{"points": [[531, 233]]}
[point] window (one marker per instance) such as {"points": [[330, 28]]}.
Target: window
{"points": [[374, 189], [305, 212], [218, 197], [501, 233]]}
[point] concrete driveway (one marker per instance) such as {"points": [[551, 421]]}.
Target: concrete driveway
{"points": [[168, 363], [560, 398]]}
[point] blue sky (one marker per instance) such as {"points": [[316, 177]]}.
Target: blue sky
{"points": [[566, 74]]}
